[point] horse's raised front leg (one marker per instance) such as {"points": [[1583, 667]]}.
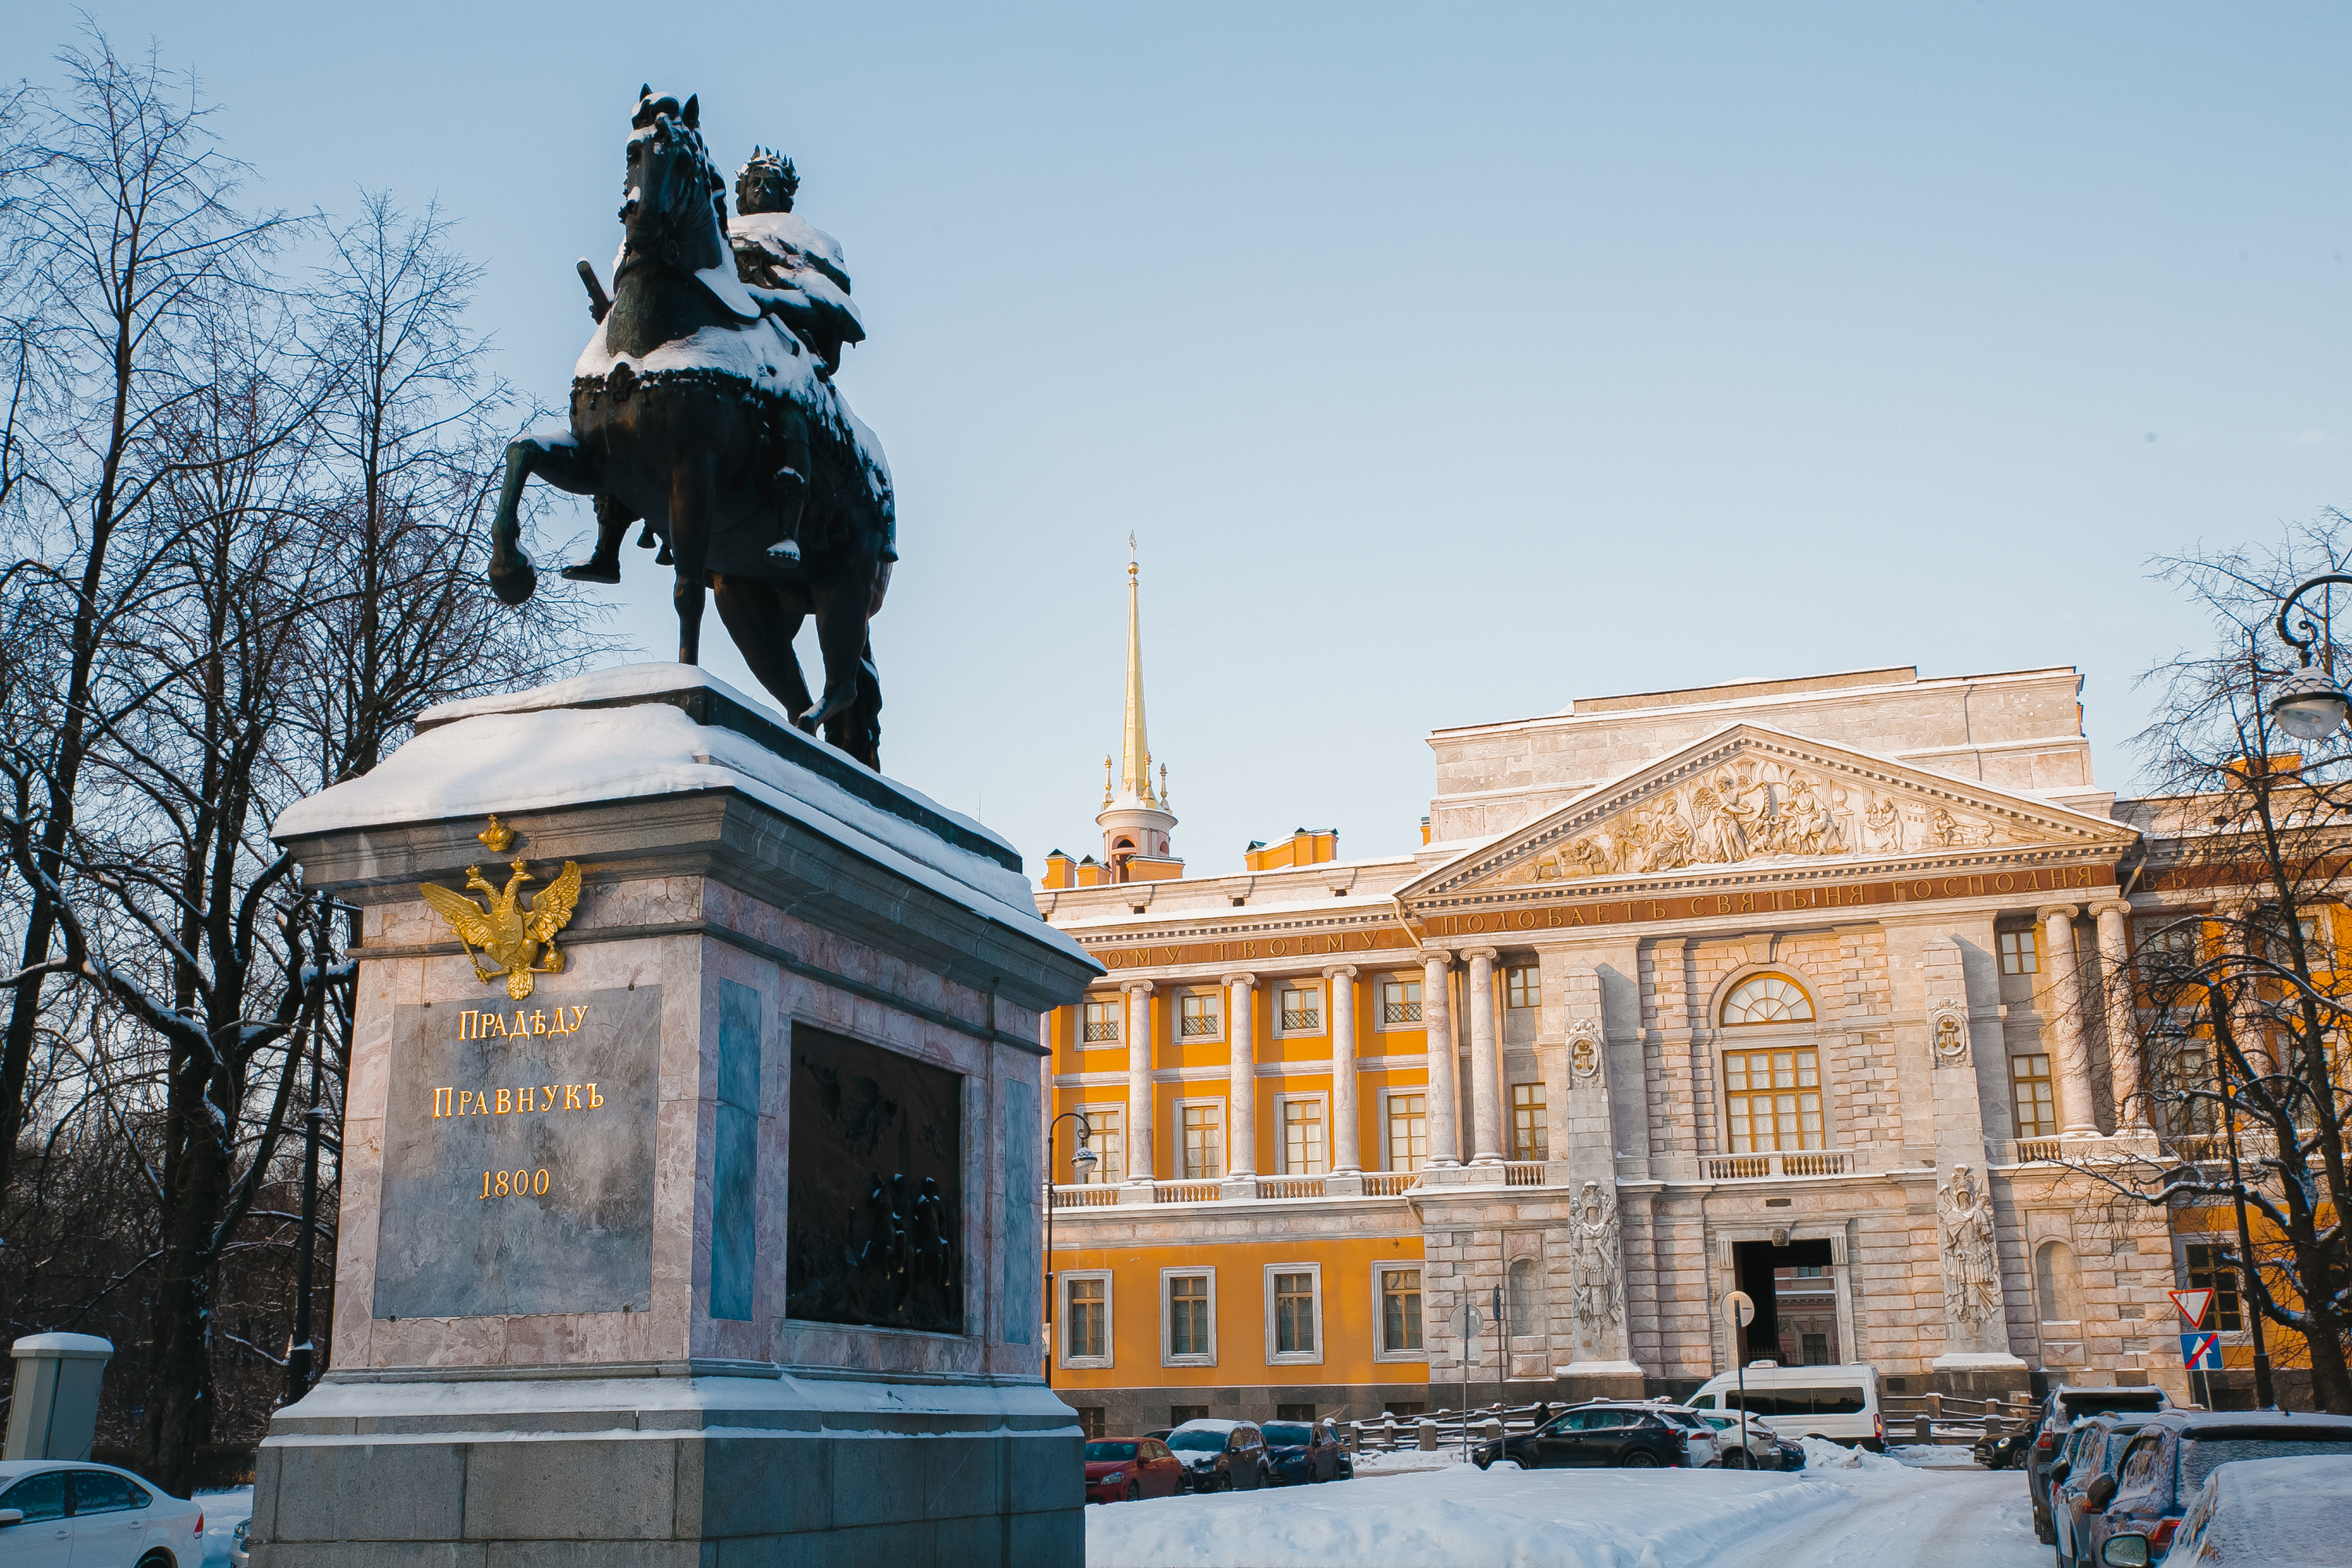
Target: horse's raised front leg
{"points": [[690, 494], [558, 460], [763, 620]]}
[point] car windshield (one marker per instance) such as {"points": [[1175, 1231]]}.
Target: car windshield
{"points": [[1287, 1433], [2199, 1461], [1097, 1452], [1213, 1442]]}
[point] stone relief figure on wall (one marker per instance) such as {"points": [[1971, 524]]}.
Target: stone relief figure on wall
{"points": [[1764, 812], [1599, 1291], [1971, 1276]]}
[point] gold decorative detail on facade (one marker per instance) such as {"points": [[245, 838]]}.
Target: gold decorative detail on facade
{"points": [[497, 837], [509, 935]]}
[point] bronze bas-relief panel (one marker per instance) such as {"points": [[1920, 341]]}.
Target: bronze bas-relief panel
{"points": [[875, 1187]]}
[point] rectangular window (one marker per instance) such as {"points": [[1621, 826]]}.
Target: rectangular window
{"points": [[1817, 1350], [1180, 1414], [1400, 1002], [1087, 1319], [1205, 1142], [1522, 986], [1188, 1316], [1294, 1413], [2208, 1270], [1199, 1015], [1102, 1023], [1530, 1138], [2037, 1114], [2017, 953], [1293, 1314], [1091, 1420], [1400, 1310], [1302, 1137], [1302, 1008], [1107, 1136], [1772, 1099], [1408, 1131]]}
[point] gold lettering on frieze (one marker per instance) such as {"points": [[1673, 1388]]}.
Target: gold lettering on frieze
{"points": [[530, 1099]]}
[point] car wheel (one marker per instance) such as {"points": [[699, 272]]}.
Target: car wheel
{"points": [[1640, 1460], [2046, 1532], [1135, 1491], [1736, 1460], [1225, 1481]]}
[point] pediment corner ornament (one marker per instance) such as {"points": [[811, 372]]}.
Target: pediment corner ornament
{"points": [[1948, 1027]]}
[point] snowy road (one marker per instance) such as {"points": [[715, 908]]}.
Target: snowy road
{"points": [[1920, 1519]]}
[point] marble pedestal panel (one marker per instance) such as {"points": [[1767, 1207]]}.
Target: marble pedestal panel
{"points": [[721, 1245]]}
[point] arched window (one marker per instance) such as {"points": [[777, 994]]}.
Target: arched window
{"points": [[2058, 1282], [1767, 999]]}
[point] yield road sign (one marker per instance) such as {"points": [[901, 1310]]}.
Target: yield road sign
{"points": [[2201, 1353], [2192, 1305]]}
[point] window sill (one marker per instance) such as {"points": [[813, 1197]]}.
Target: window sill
{"points": [[1188, 1361], [1085, 1363], [1295, 1358], [1418, 1357]]}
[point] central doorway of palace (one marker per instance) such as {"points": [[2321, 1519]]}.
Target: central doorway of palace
{"points": [[1795, 1289]]}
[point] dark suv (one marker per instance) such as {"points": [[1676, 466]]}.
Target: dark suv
{"points": [[1220, 1455], [2167, 1460], [2069, 1403], [1625, 1436]]}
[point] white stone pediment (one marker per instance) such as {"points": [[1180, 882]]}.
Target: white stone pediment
{"points": [[1750, 797]]}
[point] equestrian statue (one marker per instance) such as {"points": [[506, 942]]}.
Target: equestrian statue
{"points": [[703, 406]]}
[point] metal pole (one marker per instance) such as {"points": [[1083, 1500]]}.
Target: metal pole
{"points": [[1086, 1133]]}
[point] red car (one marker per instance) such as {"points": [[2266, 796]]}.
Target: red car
{"points": [[1121, 1469]]}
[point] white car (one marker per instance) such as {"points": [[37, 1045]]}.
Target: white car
{"points": [[56, 1513]]}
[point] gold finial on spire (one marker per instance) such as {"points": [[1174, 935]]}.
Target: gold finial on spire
{"points": [[1163, 785], [1106, 766], [1135, 763]]}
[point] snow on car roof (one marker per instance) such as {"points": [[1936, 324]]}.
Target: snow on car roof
{"points": [[1211, 1424]]}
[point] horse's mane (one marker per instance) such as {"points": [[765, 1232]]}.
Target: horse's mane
{"points": [[683, 231]]}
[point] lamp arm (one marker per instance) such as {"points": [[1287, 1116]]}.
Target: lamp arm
{"points": [[2302, 644]]}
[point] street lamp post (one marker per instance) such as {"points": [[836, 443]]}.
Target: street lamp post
{"points": [[2309, 704], [1083, 1158]]}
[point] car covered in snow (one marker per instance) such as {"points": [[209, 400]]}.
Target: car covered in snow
{"points": [[2095, 1447], [2067, 1404], [1765, 1448], [2282, 1513], [1220, 1455], [2168, 1461], [53, 1514], [1604, 1433], [1297, 1452], [1127, 1469]]}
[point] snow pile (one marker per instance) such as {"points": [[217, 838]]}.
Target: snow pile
{"points": [[222, 1511], [1459, 1517], [1821, 1454]]}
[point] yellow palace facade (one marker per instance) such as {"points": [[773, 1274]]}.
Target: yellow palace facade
{"points": [[1793, 988]]}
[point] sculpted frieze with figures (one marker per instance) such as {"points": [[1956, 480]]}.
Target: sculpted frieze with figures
{"points": [[1761, 810]]}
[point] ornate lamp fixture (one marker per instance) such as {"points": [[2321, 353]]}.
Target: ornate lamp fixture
{"points": [[2309, 704]]}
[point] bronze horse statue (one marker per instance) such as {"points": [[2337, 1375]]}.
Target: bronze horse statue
{"points": [[694, 409]]}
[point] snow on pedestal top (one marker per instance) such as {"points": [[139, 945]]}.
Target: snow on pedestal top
{"points": [[618, 734]]}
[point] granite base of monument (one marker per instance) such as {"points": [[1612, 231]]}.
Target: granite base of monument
{"points": [[689, 1209]]}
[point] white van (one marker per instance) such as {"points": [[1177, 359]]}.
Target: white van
{"points": [[1839, 1403]]}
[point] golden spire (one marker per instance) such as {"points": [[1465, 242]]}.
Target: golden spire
{"points": [[1135, 771]]}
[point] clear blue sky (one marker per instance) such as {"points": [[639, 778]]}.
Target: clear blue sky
{"points": [[1450, 363]]}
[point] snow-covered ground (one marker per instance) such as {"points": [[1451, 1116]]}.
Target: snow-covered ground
{"points": [[1872, 1513], [222, 1511]]}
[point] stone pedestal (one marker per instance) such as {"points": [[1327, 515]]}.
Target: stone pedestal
{"points": [[720, 1242]]}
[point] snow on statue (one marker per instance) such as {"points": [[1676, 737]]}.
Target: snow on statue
{"points": [[704, 404], [1969, 1275]]}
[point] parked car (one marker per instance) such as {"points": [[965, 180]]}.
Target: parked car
{"points": [[1706, 1444], [92, 1516], [1220, 1455], [1302, 1451], [1124, 1469], [2166, 1463], [2092, 1448], [2005, 1452], [2282, 1513], [240, 1545], [1839, 1403], [1764, 1448], [1627, 1436], [2067, 1404]]}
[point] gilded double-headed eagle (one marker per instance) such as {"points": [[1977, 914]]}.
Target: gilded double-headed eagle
{"points": [[508, 935]]}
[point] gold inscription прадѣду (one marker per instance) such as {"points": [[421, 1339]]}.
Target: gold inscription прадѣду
{"points": [[475, 1025]]}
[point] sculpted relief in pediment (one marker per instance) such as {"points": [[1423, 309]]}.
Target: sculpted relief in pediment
{"points": [[1759, 811]]}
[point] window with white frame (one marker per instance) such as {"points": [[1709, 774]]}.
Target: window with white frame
{"points": [[1102, 1023], [1408, 1139], [1200, 1015], [1294, 1312], [1396, 1307], [1189, 1296], [1522, 986], [1400, 1003], [1107, 1136], [1300, 1009], [1204, 1132], [1085, 1318], [1302, 1135]]}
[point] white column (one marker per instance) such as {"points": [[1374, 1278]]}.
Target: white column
{"points": [[2076, 1116], [1140, 1138], [1345, 1155], [1437, 1022], [2123, 1025], [1241, 1085], [1485, 1086]]}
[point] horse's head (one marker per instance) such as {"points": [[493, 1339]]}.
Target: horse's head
{"points": [[674, 190]]}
